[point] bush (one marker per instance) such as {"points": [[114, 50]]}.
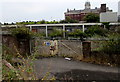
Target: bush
{"points": [[56, 33], [106, 25], [113, 45], [22, 33], [96, 30], [77, 33]]}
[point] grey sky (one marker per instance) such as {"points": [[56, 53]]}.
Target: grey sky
{"points": [[21, 10]]}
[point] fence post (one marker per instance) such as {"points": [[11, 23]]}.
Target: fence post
{"points": [[30, 28], [46, 31], [83, 28], [30, 42], [86, 45]]}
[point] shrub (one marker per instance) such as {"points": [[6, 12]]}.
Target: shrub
{"points": [[106, 24], [77, 33], [22, 33], [96, 30], [56, 33], [113, 45]]}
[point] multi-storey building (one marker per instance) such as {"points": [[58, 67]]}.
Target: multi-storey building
{"points": [[80, 14]]}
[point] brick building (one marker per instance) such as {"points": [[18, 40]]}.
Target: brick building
{"points": [[80, 14]]}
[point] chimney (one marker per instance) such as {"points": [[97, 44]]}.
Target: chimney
{"points": [[67, 10], [103, 8]]}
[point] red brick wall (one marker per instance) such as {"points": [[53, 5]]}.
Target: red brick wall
{"points": [[78, 17]]}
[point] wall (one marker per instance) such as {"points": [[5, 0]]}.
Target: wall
{"points": [[12, 46], [62, 47]]}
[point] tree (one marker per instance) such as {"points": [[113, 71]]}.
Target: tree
{"points": [[42, 21], [69, 20], [91, 17], [63, 21]]}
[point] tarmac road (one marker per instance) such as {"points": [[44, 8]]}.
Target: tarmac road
{"points": [[74, 70]]}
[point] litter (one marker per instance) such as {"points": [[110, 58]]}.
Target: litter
{"points": [[67, 58]]}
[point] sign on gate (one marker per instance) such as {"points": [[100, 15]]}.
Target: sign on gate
{"points": [[48, 44]]}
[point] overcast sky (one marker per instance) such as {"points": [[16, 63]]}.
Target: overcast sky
{"points": [[35, 10]]}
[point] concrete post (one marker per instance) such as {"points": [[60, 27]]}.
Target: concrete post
{"points": [[63, 31], [83, 28], [30, 41], [30, 28], [16, 26], [46, 32], [104, 26]]}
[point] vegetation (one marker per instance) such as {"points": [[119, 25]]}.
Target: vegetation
{"points": [[69, 20], [91, 17], [8, 74], [22, 33], [96, 30], [56, 33], [37, 22], [112, 46], [108, 54], [77, 33], [106, 25], [18, 67]]}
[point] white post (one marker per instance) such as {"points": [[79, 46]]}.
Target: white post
{"points": [[16, 26], [46, 31], [104, 27], [63, 31], [83, 28]]}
